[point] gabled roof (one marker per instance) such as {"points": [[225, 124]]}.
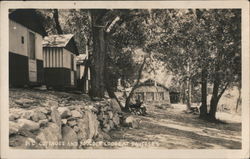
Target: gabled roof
{"points": [[151, 82], [57, 40], [63, 40], [29, 18]]}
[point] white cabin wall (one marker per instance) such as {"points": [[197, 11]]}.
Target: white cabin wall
{"points": [[16, 31], [53, 57], [80, 71], [67, 59]]}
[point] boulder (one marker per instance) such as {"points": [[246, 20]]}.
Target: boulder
{"points": [[93, 124], [71, 123], [24, 102], [28, 125], [116, 120], [111, 124], [88, 126], [110, 113], [13, 117], [69, 138], [115, 106], [130, 121], [36, 116], [76, 129], [76, 114], [13, 127], [21, 142], [44, 110], [27, 114], [50, 137], [43, 122], [64, 121], [106, 128], [55, 116], [64, 112], [83, 132]]}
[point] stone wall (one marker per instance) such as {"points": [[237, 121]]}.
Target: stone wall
{"points": [[65, 123]]}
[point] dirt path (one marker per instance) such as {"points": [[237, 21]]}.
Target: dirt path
{"points": [[174, 129]]}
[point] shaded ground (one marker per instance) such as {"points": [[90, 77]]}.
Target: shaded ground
{"points": [[174, 129], [168, 129]]}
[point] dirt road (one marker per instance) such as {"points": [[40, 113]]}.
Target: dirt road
{"points": [[174, 129]]}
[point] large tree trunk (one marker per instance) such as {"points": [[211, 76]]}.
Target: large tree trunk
{"points": [[214, 100], [110, 88], [203, 108], [216, 97], [97, 67], [98, 56], [56, 19]]}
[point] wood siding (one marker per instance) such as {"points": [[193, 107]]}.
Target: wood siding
{"points": [[25, 49], [18, 40], [60, 72], [59, 77], [19, 71], [53, 57], [58, 58], [152, 94], [67, 60]]}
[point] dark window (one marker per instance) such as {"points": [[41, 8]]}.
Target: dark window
{"points": [[150, 96], [22, 40], [160, 95]]}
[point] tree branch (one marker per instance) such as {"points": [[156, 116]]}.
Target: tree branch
{"points": [[112, 24], [223, 90], [136, 84]]}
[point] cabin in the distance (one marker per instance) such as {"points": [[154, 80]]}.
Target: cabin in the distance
{"points": [[26, 33], [59, 54], [151, 91]]}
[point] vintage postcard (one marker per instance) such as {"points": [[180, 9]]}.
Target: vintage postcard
{"points": [[125, 79]]}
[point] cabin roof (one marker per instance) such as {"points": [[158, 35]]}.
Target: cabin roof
{"points": [[29, 18], [57, 40], [151, 82], [63, 40]]}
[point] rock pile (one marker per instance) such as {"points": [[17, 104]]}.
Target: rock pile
{"points": [[64, 123], [109, 115]]}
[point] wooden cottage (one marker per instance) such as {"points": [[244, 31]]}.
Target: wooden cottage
{"points": [[59, 54], [25, 47], [151, 91]]}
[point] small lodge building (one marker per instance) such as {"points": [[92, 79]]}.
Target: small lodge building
{"points": [[59, 54], [152, 92], [26, 33]]}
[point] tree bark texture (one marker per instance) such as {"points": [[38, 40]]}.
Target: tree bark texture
{"points": [[98, 57], [203, 108], [56, 19]]}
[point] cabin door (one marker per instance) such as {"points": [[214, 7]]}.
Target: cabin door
{"points": [[32, 57]]}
